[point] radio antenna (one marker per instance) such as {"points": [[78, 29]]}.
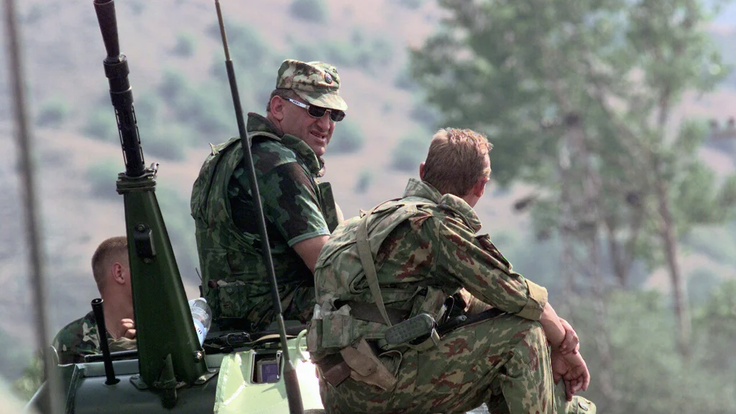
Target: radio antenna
{"points": [[291, 381]]}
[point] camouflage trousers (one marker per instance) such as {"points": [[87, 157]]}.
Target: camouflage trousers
{"points": [[503, 362]]}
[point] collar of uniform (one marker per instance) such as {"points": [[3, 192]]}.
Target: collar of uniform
{"points": [[416, 188], [259, 123]]}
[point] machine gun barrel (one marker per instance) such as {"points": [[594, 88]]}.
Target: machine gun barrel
{"points": [[121, 94], [169, 351]]}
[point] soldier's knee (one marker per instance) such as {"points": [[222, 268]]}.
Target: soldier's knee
{"points": [[532, 344], [533, 333], [536, 332]]}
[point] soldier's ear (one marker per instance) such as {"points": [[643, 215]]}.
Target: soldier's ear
{"points": [[118, 273], [421, 171], [480, 187], [277, 108]]}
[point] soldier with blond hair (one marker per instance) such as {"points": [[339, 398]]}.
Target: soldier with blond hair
{"points": [[287, 147], [111, 271], [421, 255]]}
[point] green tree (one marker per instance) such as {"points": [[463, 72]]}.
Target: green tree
{"points": [[102, 176], [28, 383], [650, 376], [175, 209], [52, 112], [203, 110], [185, 45], [15, 355], [310, 10], [412, 4], [578, 97], [365, 179], [349, 138], [715, 324], [168, 144], [368, 52], [101, 125], [410, 151]]}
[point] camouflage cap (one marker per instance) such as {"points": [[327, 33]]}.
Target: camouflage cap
{"points": [[315, 82]]}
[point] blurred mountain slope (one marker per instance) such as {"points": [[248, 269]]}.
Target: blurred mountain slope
{"points": [[169, 38]]}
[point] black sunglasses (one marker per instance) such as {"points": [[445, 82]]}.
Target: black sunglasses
{"points": [[336, 115]]}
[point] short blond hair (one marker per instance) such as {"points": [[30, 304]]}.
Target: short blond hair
{"points": [[109, 251], [456, 160]]}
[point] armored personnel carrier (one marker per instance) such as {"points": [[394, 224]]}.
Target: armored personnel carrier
{"points": [[171, 371]]}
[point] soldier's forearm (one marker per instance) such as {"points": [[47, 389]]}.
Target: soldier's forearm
{"points": [[552, 326]]}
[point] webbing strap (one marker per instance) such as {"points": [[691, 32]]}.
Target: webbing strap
{"points": [[366, 259], [368, 311]]}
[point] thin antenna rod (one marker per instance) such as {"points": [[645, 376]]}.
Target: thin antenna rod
{"points": [[291, 382], [28, 190], [224, 36]]}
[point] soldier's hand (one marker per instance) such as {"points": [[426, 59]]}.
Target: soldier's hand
{"points": [[572, 369], [559, 366], [571, 343], [128, 328], [578, 377]]}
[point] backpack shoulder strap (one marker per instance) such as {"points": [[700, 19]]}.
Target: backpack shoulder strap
{"points": [[366, 256]]}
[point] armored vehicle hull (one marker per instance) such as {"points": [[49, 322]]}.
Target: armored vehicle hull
{"points": [[242, 383]]}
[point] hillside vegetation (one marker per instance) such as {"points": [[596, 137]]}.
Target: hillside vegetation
{"points": [[183, 103]]}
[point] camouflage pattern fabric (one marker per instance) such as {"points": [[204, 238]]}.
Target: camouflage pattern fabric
{"points": [[503, 362], [233, 270], [80, 338], [425, 250], [316, 82], [77, 339], [434, 249]]}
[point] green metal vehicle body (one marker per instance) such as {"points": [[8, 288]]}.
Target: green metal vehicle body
{"points": [[234, 389], [171, 372]]}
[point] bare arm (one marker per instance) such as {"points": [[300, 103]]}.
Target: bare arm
{"points": [[552, 326], [560, 334], [309, 250]]}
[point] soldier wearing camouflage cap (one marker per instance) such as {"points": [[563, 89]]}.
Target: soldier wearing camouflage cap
{"points": [[420, 254], [112, 275], [287, 147]]}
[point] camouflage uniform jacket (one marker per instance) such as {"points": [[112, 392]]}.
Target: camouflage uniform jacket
{"points": [[425, 249], [296, 207], [80, 338], [77, 339]]}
